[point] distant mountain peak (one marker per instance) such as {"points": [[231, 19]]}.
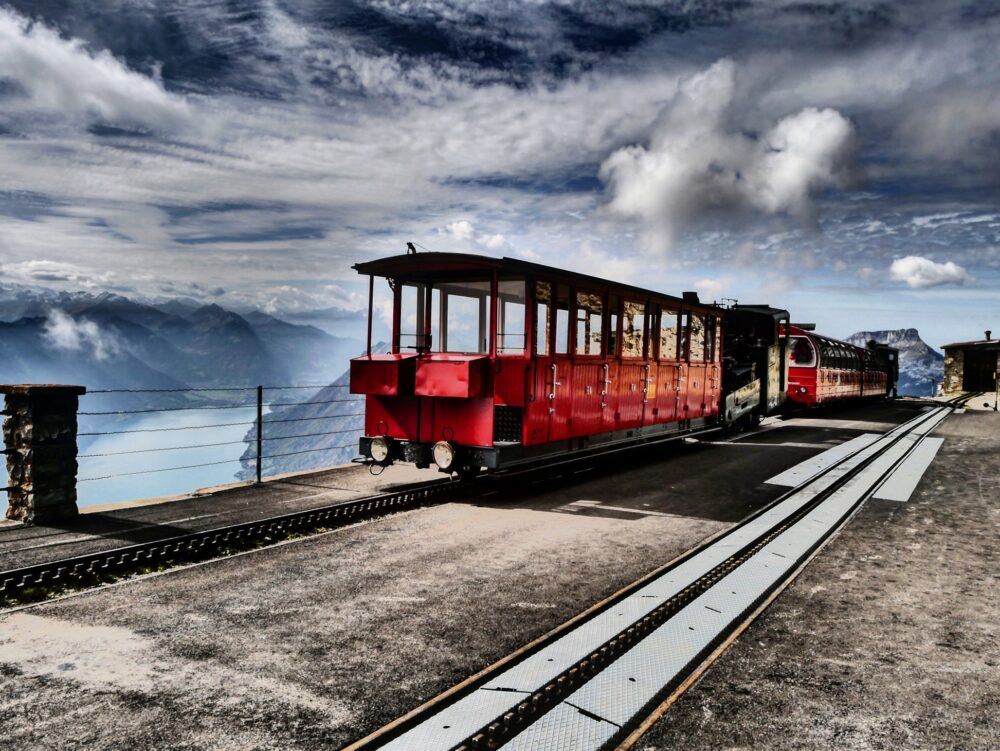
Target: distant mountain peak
{"points": [[920, 366]]}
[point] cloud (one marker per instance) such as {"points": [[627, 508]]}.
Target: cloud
{"points": [[711, 287], [62, 76], [460, 230], [63, 332], [697, 161], [919, 272]]}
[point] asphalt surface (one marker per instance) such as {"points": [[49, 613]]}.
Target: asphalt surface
{"points": [[319, 641]]}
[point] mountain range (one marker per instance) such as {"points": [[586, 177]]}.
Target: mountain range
{"points": [[920, 367], [108, 341]]}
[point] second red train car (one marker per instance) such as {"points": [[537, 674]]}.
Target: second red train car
{"points": [[824, 370]]}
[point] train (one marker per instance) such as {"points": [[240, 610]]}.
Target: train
{"points": [[497, 363]]}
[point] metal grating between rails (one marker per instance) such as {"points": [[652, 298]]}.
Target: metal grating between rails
{"points": [[20, 584]]}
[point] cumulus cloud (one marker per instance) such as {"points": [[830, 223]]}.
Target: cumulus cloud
{"points": [[460, 230], [63, 332], [919, 272], [698, 161], [711, 287], [62, 76]]}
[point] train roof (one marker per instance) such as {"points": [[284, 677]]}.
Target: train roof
{"points": [[429, 265]]}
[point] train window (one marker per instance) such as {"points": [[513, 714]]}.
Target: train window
{"points": [[710, 338], [589, 322], [669, 323], [510, 315], [633, 329], [801, 353], [697, 342], [718, 338], [561, 340], [412, 312], [685, 330], [543, 306], [613, 303], [462, 314]]}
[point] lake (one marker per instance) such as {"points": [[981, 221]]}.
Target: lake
{"points": [[172, 429]]}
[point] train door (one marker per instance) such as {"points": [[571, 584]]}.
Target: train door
{"points": [[541, 400], [588, 371], [561, 368], [633, 372], [697, 368], [667, 366], [611, 376], [713, 381]]}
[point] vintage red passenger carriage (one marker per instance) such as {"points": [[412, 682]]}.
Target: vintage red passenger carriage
{"points": [[824, 370], [497, 362]]}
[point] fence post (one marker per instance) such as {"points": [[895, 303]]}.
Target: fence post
{"points": [[260, 429], [39, 430]]}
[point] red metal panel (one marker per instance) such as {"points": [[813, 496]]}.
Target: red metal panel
{"points": [[631, 378], [388, 375], [467, 422], [610, 377], [394, 416], [587, 376], [536, 413], [456, 376], [561, 390], [511, 378], [713, 389], [799, 379], [666, 391]]}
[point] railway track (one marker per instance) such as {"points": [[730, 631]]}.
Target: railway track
{"points": [[36, 582], [601, 679]]}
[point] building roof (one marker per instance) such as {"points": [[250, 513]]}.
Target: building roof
{"points": [[984, 344]]}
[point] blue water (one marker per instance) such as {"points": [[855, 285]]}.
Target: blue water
{"points": [[178, 429]]}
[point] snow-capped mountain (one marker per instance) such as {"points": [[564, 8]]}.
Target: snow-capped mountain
{"points": [[920, 367]]}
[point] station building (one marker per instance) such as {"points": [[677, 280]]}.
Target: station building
{"points": [[971, 366]]}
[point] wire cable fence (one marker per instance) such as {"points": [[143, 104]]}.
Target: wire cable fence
{"points": [[281, 414]]}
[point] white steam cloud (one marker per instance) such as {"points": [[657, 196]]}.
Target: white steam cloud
{"points": [[919, 272], [62, 76], [63, 332], [696, 162]]}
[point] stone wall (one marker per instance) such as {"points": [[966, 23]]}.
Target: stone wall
{"points": [[39, 433], [953, 362]]}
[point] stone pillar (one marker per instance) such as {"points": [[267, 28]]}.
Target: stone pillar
{"points": [[39, 433]]}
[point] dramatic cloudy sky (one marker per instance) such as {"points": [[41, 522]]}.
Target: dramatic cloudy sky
{"points": [[841, 159]]}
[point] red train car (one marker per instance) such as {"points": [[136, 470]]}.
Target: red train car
{"points": [[824, 370], [497, 361]]}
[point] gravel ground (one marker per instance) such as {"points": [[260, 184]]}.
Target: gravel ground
{"points": [[322, 641], [890, 638]]}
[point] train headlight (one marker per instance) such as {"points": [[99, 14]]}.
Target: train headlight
{"points": [[444, 454], [380, 449]]}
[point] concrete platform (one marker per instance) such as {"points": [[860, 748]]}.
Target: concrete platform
{"points": [[318, 641]]}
